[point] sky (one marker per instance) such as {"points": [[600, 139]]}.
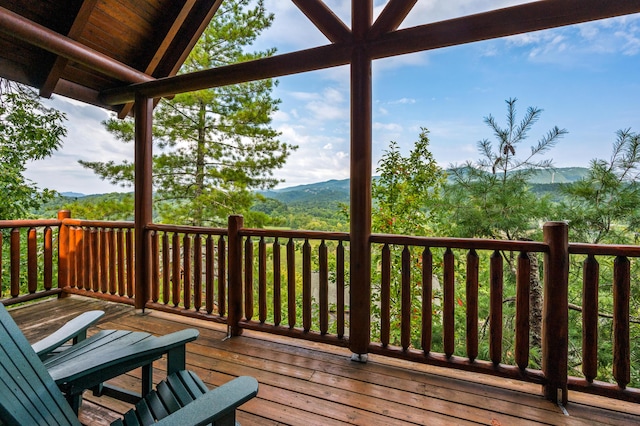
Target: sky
{"points": [[585, 78]]}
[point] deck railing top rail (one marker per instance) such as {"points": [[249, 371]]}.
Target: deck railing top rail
{"points": [[461, 243]]}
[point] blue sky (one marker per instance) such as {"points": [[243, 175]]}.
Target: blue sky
{"points": [[584, 77]]}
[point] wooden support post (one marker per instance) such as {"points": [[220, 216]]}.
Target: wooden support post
{"points": [[143, 198], [555, 312], [360, 208], [236, 222], [63, 252]]}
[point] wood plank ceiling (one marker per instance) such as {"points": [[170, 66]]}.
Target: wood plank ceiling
{"points": [[135, 40]]}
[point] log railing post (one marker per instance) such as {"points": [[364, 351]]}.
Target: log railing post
{"points": [[63, 252], [236, 222], [555, 312], [143, 201]]}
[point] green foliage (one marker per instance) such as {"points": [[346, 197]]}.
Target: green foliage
{"points": [[603, 206], [28, 131], [408, 189], [491, 198], [406, 196], [214, 146]]}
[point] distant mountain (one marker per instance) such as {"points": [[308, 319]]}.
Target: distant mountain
{"points": [[72, 194], [338, 190], [316, 193]]}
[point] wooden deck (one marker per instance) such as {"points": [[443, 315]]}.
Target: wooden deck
{"points": [[304, 383]]}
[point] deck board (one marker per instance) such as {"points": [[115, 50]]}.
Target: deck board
{"points": [[309, 383]]}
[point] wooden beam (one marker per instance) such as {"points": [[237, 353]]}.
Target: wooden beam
{"points": [[143, 197], [360, 182], [23, 29], [274, 66], [60, 63], [391, 17], [520, 19], [325, 20], [189, 9], [499, 23]]}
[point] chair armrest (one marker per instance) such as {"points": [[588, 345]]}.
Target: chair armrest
{"points": [[75, 329], [214, 405]]}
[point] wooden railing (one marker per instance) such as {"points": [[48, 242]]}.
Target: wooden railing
{"points": [[456, 303], [27, 259]]}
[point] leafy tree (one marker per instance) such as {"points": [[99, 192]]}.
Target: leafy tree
{"points": [[405, 195], [29, 131], [216, 145], [407, 190], [491, 198]]}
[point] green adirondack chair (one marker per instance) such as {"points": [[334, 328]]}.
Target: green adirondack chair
{"points": [[29, 395], [74, 330]]}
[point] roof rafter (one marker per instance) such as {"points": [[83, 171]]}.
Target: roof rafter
{"points": [[60, 63], [391, 17], [165, 45], [325, 20], [483, 26]]}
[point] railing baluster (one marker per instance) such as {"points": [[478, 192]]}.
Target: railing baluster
{"points": [[495, 309], [340, 289], [166, 268], [186, 262], [222, 278], [405, 327], [523, 294], [209, 292], [73, 258], [590, 283], [621, 342], [262, 280], [32, 260], [306, 285], [427, 299], [291, 283], [113, 281], [155, 267], [47, 272], [473, 268], [448, 318], [175, 270], [129, 257], [277, 283], [104, 266], [248, 278], [86, 259], [122, 289], [197, 272], [94, 263], [15, 262], [385, 295], [323, 294]]}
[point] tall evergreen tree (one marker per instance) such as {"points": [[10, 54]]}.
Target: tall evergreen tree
{"points": [[214, 146]]}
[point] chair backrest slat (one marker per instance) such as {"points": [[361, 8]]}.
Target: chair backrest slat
{"points": [[28, 394]]}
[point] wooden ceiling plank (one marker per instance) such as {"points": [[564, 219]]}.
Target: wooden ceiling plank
{"points": [[498, 23], [391, 17], [325, 20], [60, 63], [16, 26], [177, 24]]}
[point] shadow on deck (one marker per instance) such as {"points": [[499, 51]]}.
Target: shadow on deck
{"points": [[305, 383]]}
